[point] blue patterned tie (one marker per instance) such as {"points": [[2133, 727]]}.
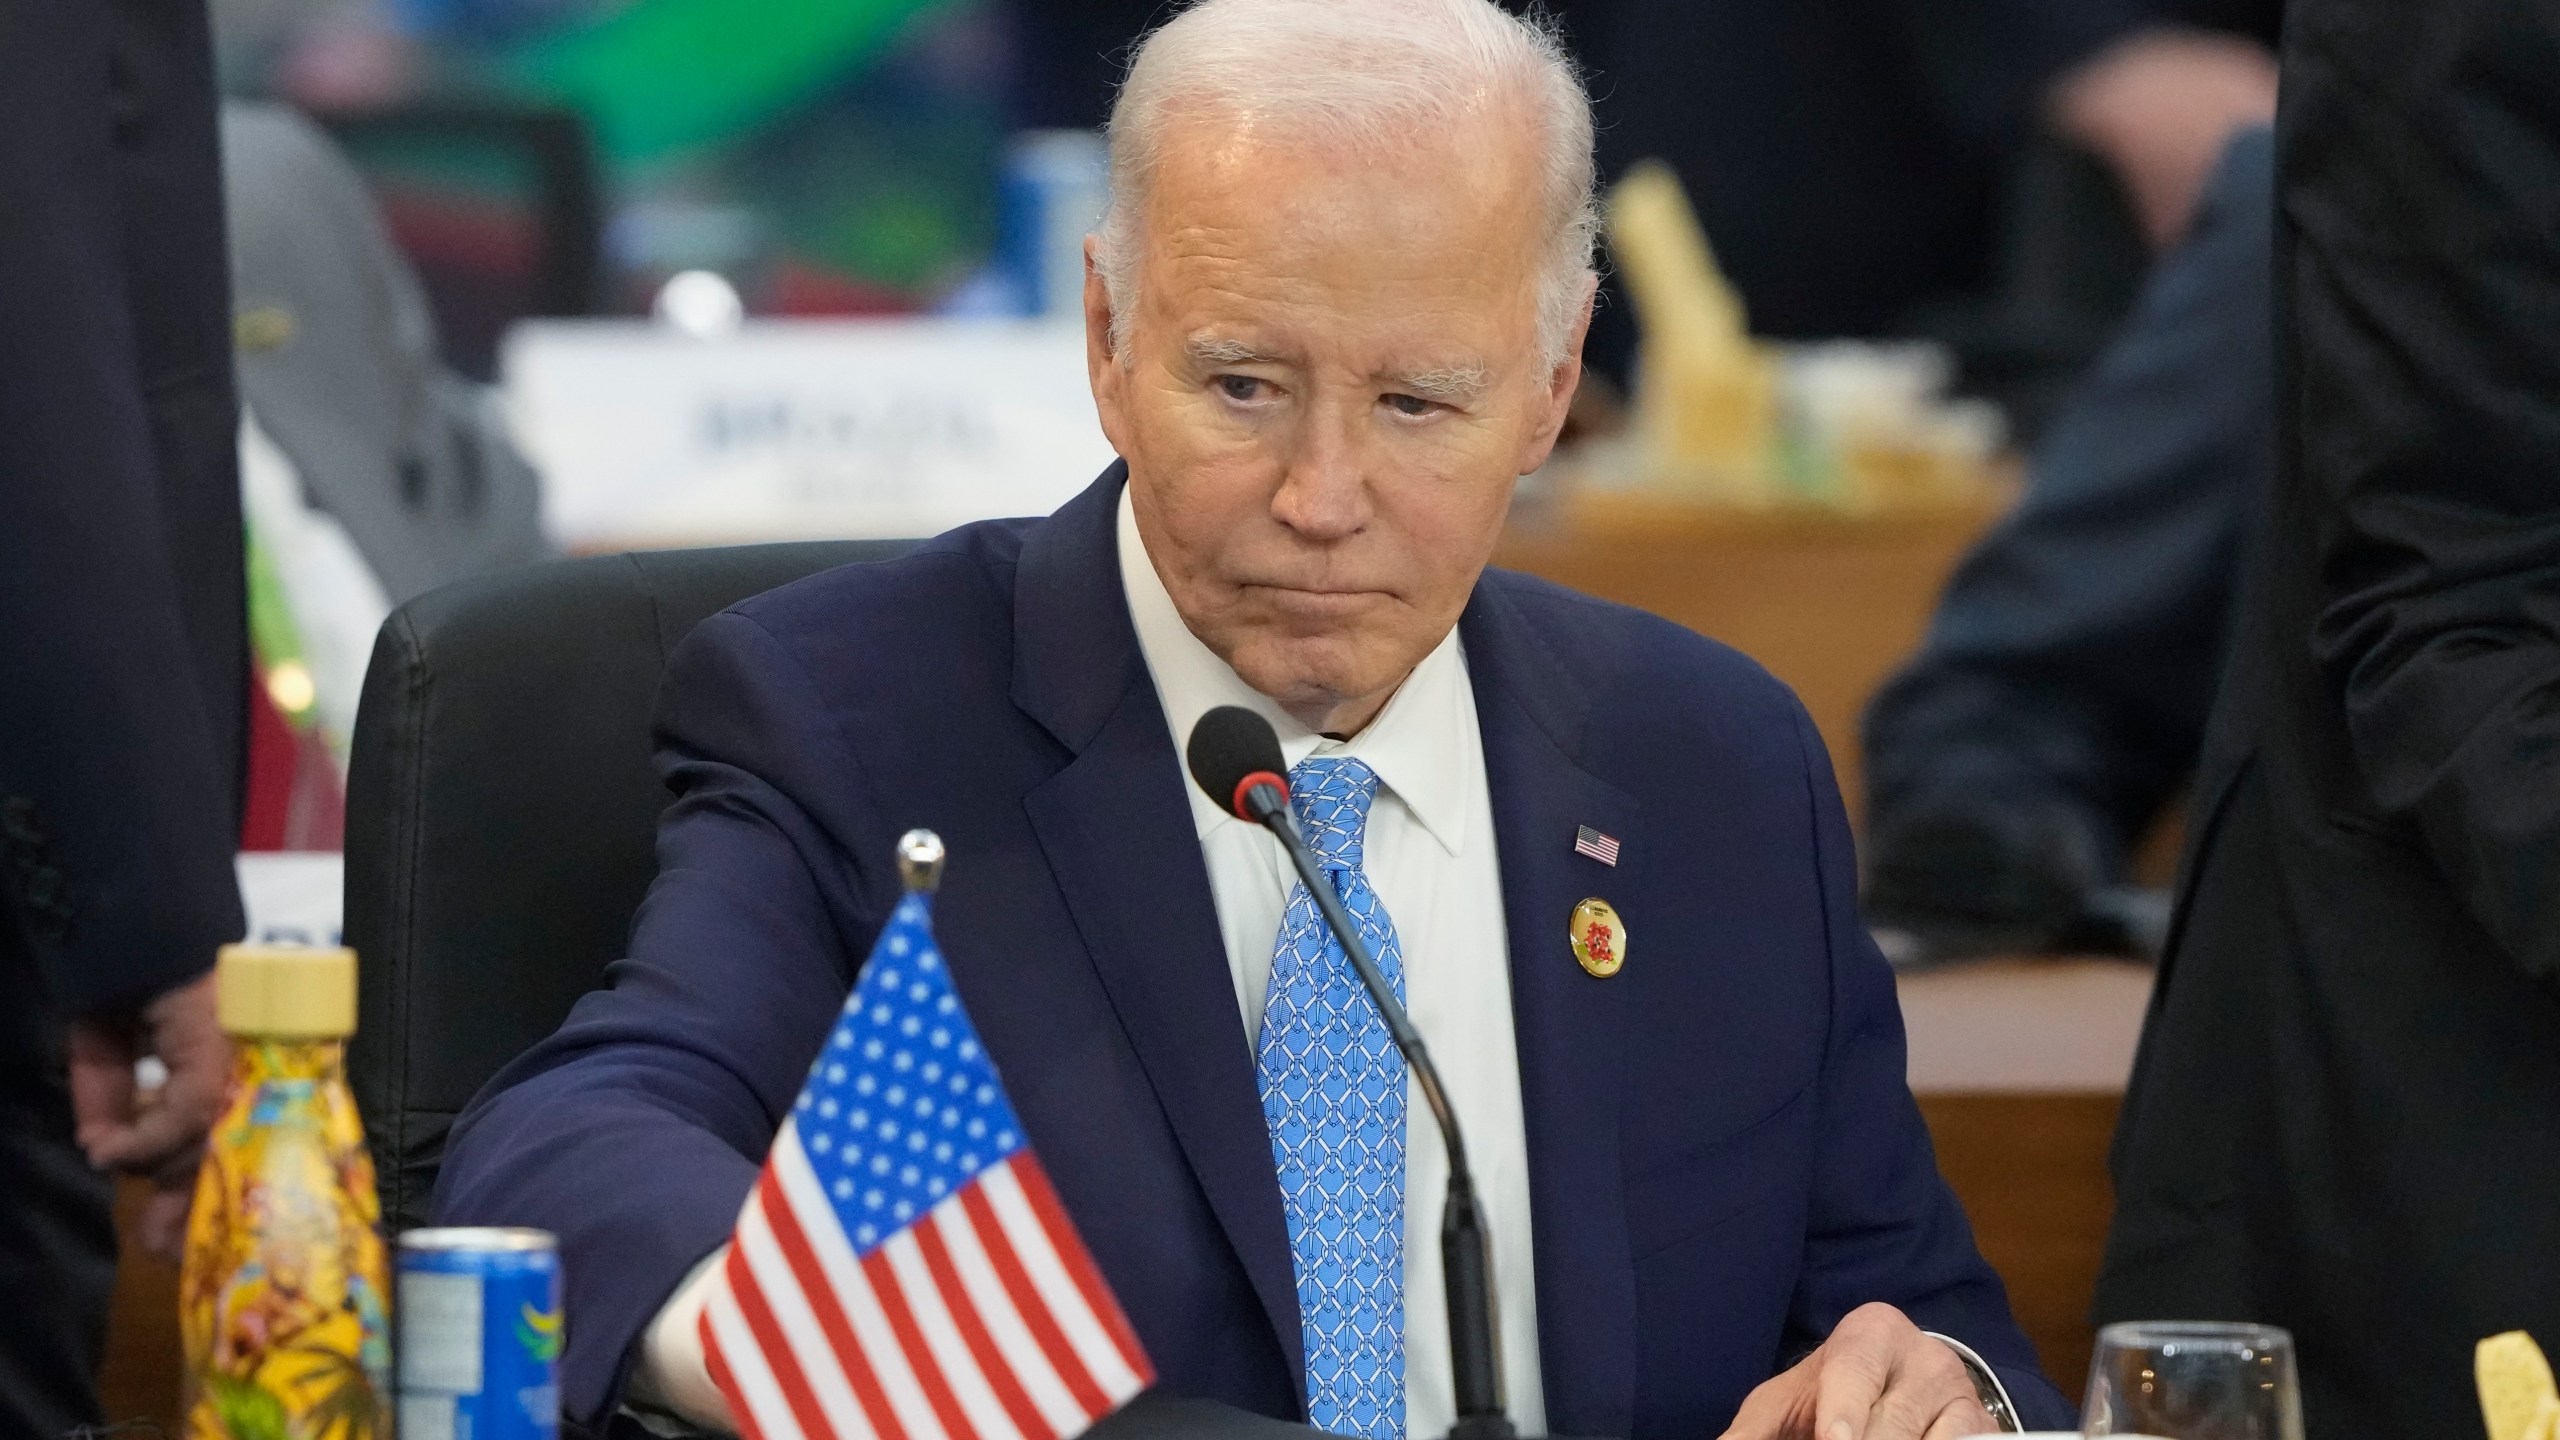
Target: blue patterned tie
{"points": [[1333, 1095]]}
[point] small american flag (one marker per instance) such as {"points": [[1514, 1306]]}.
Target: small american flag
{"points": [[1603, 848], [903, 1268]]}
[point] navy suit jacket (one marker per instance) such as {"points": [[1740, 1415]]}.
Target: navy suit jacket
{"points": [[1724, 1157], [124, 651], [2065, 681]]}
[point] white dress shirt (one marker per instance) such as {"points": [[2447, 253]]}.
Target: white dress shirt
{"points": [[1430, 855], [1429, 852]]}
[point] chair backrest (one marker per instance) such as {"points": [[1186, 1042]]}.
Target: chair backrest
{"points": [[501, 810]]}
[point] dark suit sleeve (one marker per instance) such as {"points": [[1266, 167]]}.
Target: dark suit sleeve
{"points": [[635, 1132], [1883, 1224], [2419, 158], [122, 659], [2071, 662]]}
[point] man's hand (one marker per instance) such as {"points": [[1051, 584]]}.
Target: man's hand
{"points": [[1876, 1378], [163, 1140], [2158, 107]]}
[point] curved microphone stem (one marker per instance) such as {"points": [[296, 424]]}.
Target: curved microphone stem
{"points": [[1466, 1270]]}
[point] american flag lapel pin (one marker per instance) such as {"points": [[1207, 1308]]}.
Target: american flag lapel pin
{"points": [[1603, 848]]}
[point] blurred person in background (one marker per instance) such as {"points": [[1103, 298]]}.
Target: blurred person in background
{"points": [[2345, 1115], [1852, 161], [2059, 701], [337, 362], [371, 472], [122, 658], [1902, 167], [1844, 156]]}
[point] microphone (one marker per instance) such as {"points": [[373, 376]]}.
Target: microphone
{"points": [[1235, 757]]}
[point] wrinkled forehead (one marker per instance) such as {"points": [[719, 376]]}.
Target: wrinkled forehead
{"points": [[1492, 131], [1430, 227]]}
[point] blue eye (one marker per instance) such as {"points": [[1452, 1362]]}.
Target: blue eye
{"points": [[1240, 387], [1413, 405]]}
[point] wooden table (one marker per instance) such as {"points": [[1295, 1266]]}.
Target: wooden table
{"points": [[144, 1360], [1830, 603], [2019, 1066]]}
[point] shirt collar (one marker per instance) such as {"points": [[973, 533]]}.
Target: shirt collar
{"points": [[1408, 745]]}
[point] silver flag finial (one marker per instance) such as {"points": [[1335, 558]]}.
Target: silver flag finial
{"points": [[920, 860]]}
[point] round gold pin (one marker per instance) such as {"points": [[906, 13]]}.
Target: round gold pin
{"points": [[1599, 938]]}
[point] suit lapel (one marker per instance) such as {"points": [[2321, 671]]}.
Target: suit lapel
{"points": [[1116, 827], [1532, 710]]}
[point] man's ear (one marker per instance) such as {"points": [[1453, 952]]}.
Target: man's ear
{"points": [[1560, 385], [1103, 370]]}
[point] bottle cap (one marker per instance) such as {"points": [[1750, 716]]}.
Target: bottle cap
{"points": [[285, 992]]}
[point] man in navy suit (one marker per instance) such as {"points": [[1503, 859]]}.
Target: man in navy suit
{"points": [[1336, 310]]}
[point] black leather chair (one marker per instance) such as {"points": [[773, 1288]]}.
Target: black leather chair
{"points": [[501, 809]]}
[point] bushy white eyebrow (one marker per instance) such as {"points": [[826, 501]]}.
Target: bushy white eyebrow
{"points": [[1218, 350], [1448, 385]]}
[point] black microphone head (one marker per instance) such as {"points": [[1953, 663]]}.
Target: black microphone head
{"points": [[1231, 749]]}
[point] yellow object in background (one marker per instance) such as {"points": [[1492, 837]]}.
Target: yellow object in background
{"points": [[282, 1297], [2517, 1396], [1707, 404], [1846, 426]]}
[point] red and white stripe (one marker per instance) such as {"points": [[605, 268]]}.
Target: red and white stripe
{"points": [[1603, 848], [983, 1320]]}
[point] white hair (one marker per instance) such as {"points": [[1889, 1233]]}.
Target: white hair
{"points": [[1364, 72]]}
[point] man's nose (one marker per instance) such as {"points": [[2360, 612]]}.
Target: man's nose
{"points": [[1324, 492]]}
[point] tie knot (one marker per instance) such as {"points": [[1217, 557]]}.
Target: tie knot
{"points": [[1331, 794]]}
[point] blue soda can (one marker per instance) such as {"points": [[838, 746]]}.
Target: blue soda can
{"points": [[478, 1320]]}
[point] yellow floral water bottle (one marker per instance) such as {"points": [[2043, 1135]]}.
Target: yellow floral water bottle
{"points": [[282, 1293]]}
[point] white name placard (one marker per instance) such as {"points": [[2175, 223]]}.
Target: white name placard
{"points": [[293, 897], [795, 430]]}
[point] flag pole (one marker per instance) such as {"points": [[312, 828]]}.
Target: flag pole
{"points": [[920, 861]]}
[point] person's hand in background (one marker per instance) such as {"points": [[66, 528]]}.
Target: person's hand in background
{"points": [[161, 1139], [1985, 869], [1879, 1377], [2158, 107]]}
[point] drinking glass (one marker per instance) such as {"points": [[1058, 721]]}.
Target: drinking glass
{"points": [[2193, 1380]]}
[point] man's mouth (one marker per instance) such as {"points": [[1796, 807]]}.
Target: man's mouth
{"points": [[1324, 599]]}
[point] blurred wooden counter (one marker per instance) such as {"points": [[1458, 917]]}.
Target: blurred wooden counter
{"points": [[2019, 1066], [1830, 603], [144, 1356]]}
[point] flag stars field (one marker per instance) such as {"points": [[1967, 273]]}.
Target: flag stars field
{"points": [[942, 1293]]}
